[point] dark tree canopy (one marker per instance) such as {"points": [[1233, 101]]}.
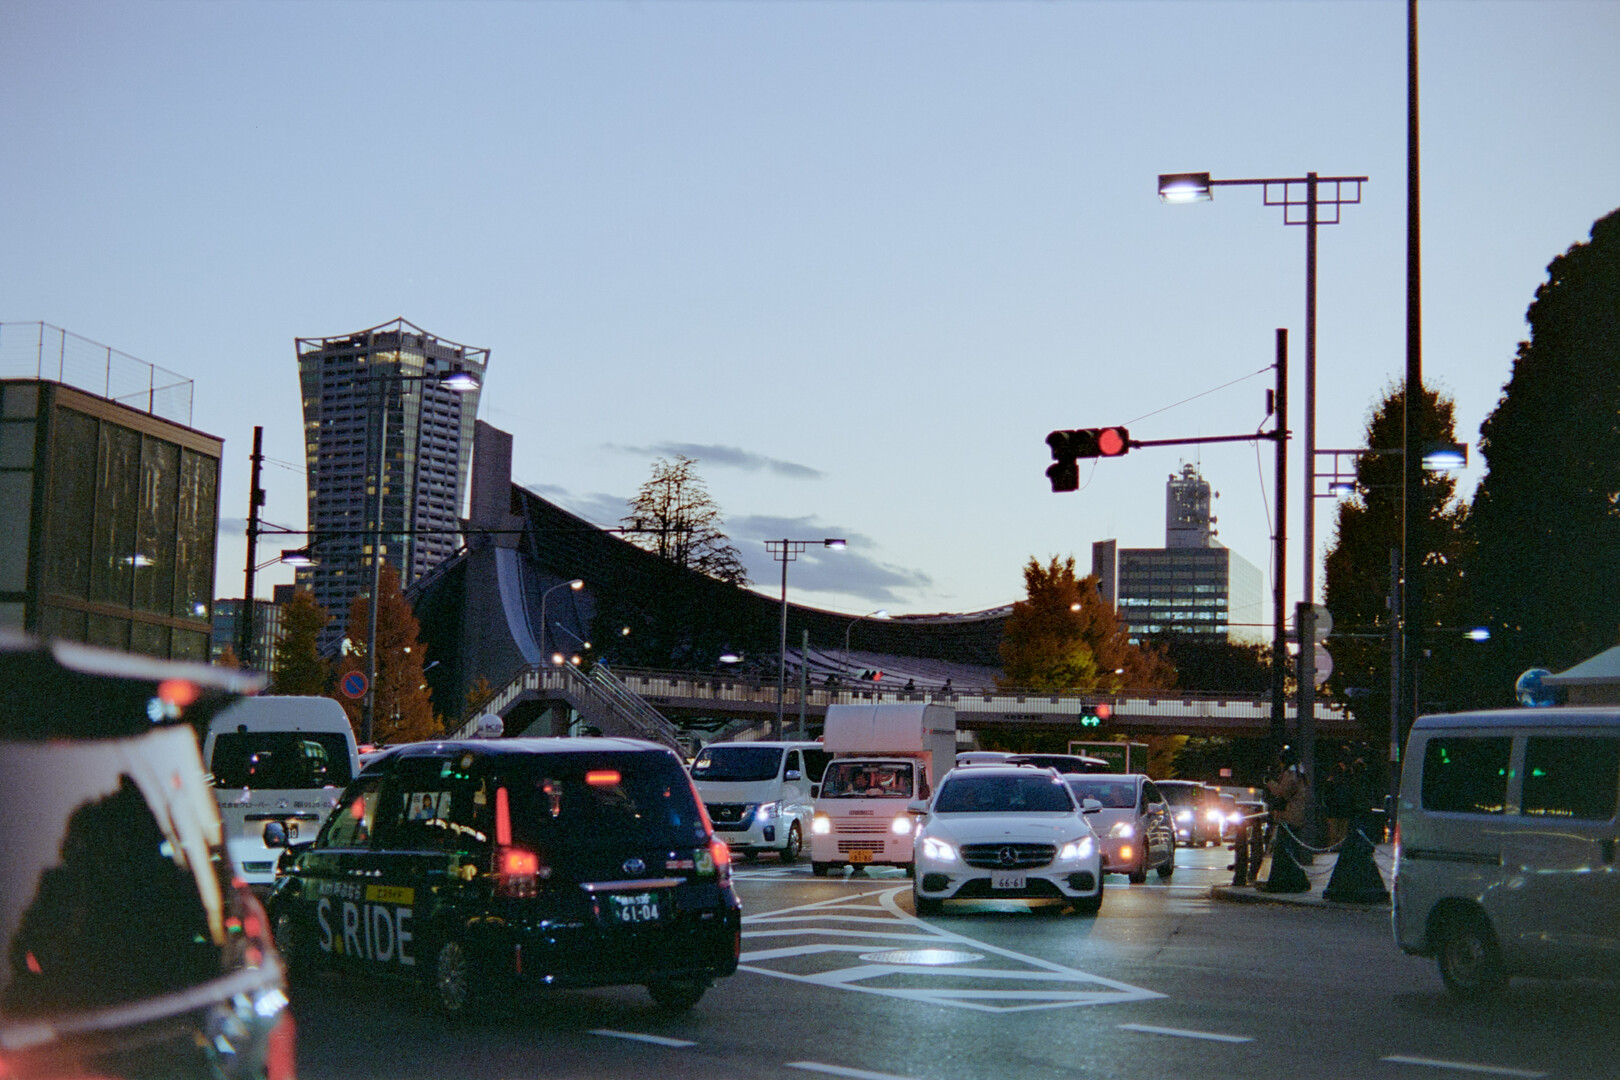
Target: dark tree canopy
{"points": [[1358, 566], [674, 517], [300, 667], [1546, 517]]}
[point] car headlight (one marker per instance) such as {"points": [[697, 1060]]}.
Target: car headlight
{"points": [[764, 811], [1083, 848], [1184, 815], [821, 825], [938, 850], [1234, 817], [1215, 816], [902, 825], [1122, 831]]}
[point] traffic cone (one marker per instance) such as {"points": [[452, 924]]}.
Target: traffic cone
{"points": [[1356, 879], [1287, 876]]}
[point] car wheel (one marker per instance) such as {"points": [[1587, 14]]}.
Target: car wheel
{"points": [[1470, 961], [911, 869], [925, 905], [455, 980], [1089, 905], [820, 868], [289, 942], [1168, 867], [795, 844], [749, 855], [677, 995], [1139, 875]]}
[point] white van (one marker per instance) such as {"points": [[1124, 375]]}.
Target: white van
{"points": [[1505, 845], [280, 759], [759, 794]]}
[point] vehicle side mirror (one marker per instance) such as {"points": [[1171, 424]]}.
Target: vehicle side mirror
{"points": [[275, 835], [791, 774], [917, 806], [1090, 806], [815, 791]]}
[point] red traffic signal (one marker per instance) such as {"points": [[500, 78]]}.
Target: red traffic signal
{"points": [[1069, 446], [1112, 441]]}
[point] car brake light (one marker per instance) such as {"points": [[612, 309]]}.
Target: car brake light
{"points": [[518, 873], [503, 818], [602, 777], [721, 854]]}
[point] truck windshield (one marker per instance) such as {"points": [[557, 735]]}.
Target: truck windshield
{"points": [[737, 764], [867, 779], [1033, 794], [284, 760]]}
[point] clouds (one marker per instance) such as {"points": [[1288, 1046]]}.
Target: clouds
{"points": [[849, 571], [730, 457]]}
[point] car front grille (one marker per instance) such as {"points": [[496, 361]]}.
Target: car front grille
{"points": [[861, 827], [726, 813], [847, 846], [1007, 856]]}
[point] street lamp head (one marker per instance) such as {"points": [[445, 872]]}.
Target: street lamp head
{"points": [[1479, 633], [460, 382], [730, 658], [1185, 187], [881, 613], [836, 545], [1341, 487], [557, 658], [576, 584], [1444, 457], [299, 557]]}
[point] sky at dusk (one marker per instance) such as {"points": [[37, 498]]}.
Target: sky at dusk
{"points": [[855, 258]]}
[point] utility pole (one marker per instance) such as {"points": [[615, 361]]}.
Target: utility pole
{"points": [[1279, 577], [804, 678], [244, 616]]}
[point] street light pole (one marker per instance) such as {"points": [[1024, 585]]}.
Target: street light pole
{"points": [[458, 381], [785, 551], [576, 584], [880, 613]]}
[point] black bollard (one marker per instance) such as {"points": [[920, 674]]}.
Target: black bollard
{"points": [[1287, 876], [1240, 855], [1356, 878]]}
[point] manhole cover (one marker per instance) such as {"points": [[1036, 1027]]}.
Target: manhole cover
{"points": [[921, 956]]}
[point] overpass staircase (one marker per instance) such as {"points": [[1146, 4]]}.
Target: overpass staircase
{"points": [[599, 697]]}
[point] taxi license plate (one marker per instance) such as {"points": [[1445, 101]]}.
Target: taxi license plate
{"points": [[860, 855], [634, 909], [1007, 881]]}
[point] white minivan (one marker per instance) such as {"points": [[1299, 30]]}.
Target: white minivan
{"points": [[277, 758], [759, 795], [1505, 845]]}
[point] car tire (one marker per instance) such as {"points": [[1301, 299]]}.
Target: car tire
{"points": [[911, 869], [1469, 958], [289, 943], [795, 844], [820, 868], [460, 984], [1089, 905], [1139, 875], [1168, 867], [677, 995], [925, 905]]}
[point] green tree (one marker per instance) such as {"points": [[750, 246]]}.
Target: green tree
{"points": [[403, 708], [300, 667], [674, 517], [1358, 565], [1063, 636], [1546, 516]]}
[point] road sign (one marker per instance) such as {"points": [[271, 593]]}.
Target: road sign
{"points": [[1322, 624], [353, 685]]}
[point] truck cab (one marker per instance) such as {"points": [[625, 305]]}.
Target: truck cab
{"points": [[885, 756]]}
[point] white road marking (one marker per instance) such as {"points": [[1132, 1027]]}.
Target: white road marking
{"points": [[822, 943], [1185, 1034], [839, 1070], [633, 1036], [1463, 1066]]}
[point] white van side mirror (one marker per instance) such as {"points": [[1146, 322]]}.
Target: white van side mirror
{"points": [[1090, 806], [815, 791], [791, 774], [916, 806]]}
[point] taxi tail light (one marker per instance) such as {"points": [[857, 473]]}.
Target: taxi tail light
{"points": [[517, 873], [281, 1051]]}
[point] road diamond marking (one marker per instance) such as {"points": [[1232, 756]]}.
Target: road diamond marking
{"points": [[821, 943]]}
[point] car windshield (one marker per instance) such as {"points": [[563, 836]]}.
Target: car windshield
{"points": [[1182, 794], [283, 760], [559, 801], [1003, 794], [1113, 794], [867, 779], [737, 763]]}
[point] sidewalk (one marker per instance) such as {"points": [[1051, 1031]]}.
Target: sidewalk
{"points": [[1319, 872]]}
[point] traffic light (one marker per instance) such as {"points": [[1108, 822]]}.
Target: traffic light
{"points": [[1092, 716], [1068, 447]]}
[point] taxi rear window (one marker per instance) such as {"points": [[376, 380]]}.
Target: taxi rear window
{"points": [[574, 798]]}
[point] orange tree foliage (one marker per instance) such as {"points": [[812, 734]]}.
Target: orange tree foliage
{"points": [[404, 709], [1064, 636]]}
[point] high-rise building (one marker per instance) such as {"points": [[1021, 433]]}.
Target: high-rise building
{"points": [[378, 396], [1191, 586]]}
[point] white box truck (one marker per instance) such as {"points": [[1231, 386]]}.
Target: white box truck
{"points": [[883, 757]]}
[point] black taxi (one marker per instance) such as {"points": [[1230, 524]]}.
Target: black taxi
{"points": [[486, 869]]}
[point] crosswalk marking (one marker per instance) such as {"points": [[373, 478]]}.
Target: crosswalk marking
{"points": [[829, 937]]}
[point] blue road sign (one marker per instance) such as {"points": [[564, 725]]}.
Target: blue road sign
{"points": [[353, 684]]}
